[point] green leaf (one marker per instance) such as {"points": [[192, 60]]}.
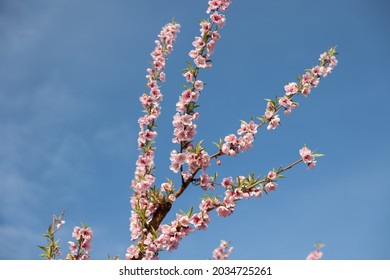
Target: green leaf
{"points": [[319, 155], [219, 145], [189, 214], [198, 148], [260, 119], [43, 248]]}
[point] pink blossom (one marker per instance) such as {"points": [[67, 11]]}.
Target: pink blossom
{"points": [[227, 182], [177, 160], [132, 252], [76, 232], [219, 19], [183, 220], [200, 220], [211, 46], [204, 181], [86, 246], [189, 76], [275, 121], [230, 138], [162, 77], [206, 26], [270, 110], [198, 43], [229, 199], [271, 186], [318, 70], [186, 175], [198, 85], [306, 89], [285, 101], [72, 246], [271, 175], [166, 187], [85, 256], [193, 54], [159, 63], [184, 133], [146, 100], [213, 5], [312, 164], [186, 119], [135, 226], [315, 255], [200, 61], [250, 127], [307, 157], [224, 5], [172, 197], [291, 88], [215, 36], [86, 233], [238, 194], [206, 205], [230, 149], [256, 192], [223, 211], [223, 251], [245, 143]]}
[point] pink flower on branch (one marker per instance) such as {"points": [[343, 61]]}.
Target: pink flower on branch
{"points": [[305, 83], [317, 254], [143, 207], [223, 251], [291, 88], [219, 19], [308, 157], [150, 206], [80, 250]]}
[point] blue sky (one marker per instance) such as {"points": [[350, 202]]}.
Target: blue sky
{"points": [[71, 73]]}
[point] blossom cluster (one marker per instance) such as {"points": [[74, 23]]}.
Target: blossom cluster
{"points": [[305, 84], [168, 236], [241, 188], [233, 145], [80, 250], [184, 120], [151, 104], [205, 44], [142, 206], [308, 157], [223, 251], [315, 255]]}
